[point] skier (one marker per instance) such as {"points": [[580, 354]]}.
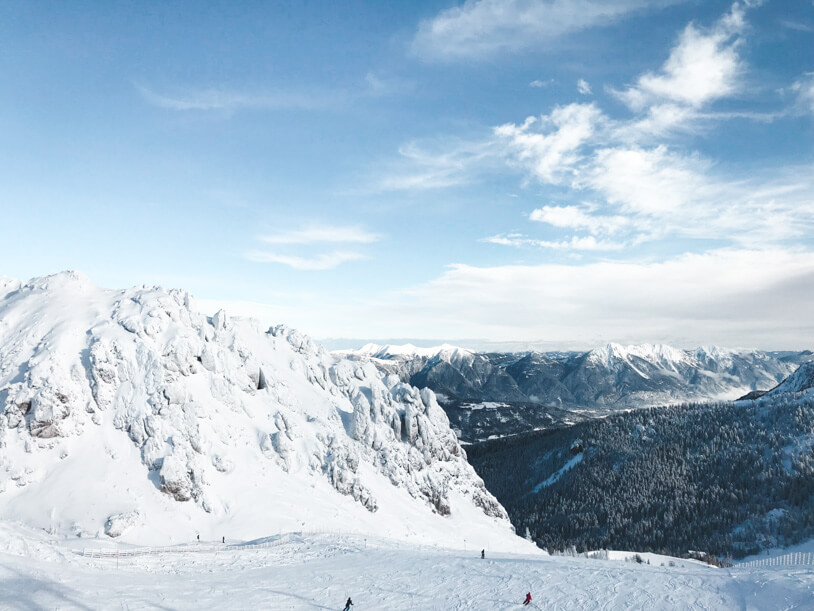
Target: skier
{"points": [[199, 538], [528, 599], [348, 604], [482, 554], [223, 539]]}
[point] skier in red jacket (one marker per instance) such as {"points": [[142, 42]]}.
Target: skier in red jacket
{"points": [[528, 599]]}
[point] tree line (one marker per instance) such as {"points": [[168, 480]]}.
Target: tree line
{"points": [[722, 478]]}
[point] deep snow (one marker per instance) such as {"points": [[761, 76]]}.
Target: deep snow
{"points": [[321, 571]]}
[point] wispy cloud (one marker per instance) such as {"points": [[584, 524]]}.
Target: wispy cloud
{"points": [[584, 87], [482, 28], [229, 100], [323, 233], [574, 243], [803, 89], [426, 167], [578, 217], [319, 262], [798, 26], [643, 187], [298, 246], [653, 192], [538, 84]]}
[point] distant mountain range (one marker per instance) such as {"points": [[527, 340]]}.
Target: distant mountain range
{"points": [[497, 394]]}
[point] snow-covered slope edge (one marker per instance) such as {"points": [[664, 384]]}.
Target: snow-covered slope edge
{"points": [[130, 412], [802, 380]]}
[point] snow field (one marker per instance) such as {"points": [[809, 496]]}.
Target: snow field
{"points": [[321, 571]]}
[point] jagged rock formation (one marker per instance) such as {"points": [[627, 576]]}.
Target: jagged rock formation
{"points": [[201, 406]]}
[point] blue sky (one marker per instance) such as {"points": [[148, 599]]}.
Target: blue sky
{"points": [[565, 171]]}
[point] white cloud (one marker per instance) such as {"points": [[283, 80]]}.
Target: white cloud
{"points": [[727, 296], [584, 87], [664, 194], [538, 84], [574, 243], [549, 146], [796, 25], [423, 168], [731, 297], [642, 187], [803, 89], [318, 262], [230, 101], [648, 181], [308, 237], [655, 193], [576, 217], [481, 28], [322, 233], [661, 120], [644, 190], [702, 67]]}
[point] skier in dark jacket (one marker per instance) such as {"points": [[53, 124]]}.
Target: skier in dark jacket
{"points": [[348, 604], [482, 554], [528, 599]]}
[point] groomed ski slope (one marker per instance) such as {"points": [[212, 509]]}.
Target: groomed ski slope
{"points": [[321, 571]]}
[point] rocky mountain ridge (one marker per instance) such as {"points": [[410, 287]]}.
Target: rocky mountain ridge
{"points": [[131, 410]]}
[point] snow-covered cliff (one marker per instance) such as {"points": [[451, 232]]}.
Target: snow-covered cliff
{"points": [[801, 380], [130, 412]]}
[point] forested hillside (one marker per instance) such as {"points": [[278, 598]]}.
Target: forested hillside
{"points": [[721, 478]]}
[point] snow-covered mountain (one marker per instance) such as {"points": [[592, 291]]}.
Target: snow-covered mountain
{"points": [[447, 352], [130, 412], [537, 389], [801, 380], [449, 370], [612, 375]]}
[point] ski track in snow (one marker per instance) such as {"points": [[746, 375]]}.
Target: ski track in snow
{"points": [[321, 572]]}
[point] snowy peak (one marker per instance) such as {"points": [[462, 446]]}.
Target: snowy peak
{"points": [[149, 408], [657, 354], [391, 351], [7, 285], [62, 280], [718, 353], [717, 357]]}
